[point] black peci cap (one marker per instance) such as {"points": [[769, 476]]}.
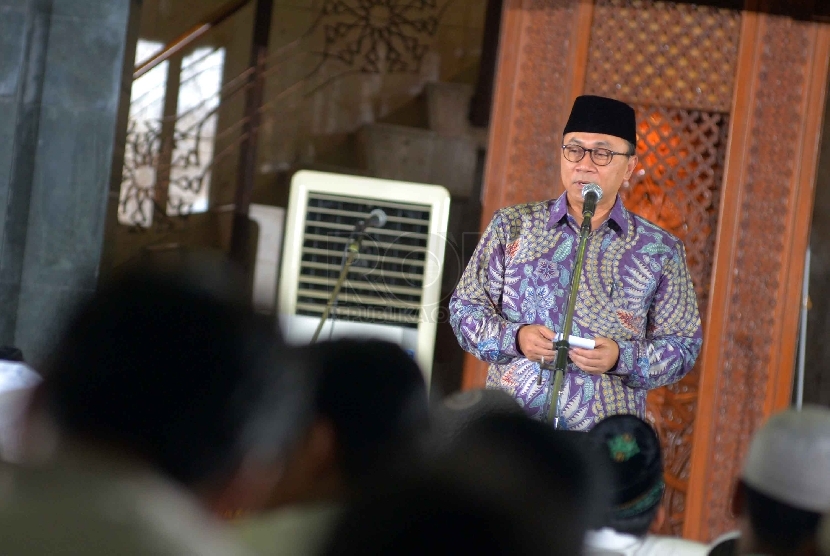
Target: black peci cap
{"points": [[593, 114]]}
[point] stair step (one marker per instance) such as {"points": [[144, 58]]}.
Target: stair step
{"points": [[419, 155], [448, 107]]}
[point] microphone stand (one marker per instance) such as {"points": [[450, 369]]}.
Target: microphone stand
{"points": [[563, 345], [352, 251]]}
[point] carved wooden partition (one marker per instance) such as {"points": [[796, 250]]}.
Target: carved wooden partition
{"points": [[766, 206], [729, 109]]}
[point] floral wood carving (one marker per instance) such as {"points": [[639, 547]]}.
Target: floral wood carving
{"points": [[678, 180]]}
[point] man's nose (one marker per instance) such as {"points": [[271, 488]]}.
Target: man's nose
{"points": [[586, 164]]}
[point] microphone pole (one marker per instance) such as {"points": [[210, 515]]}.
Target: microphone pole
{"points": [[377, 218], [591, 194]]}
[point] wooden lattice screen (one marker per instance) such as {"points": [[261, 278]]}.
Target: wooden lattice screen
{"points": [[677, 185], [664, 53], [676, 64]]}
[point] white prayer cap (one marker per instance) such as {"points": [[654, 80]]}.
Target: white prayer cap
{"points": [[789, 459], [15, 375]]}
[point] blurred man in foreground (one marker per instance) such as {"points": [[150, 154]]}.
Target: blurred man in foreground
{"points": [[167, 400], [507, 485], [785, 484], [370, 406]]}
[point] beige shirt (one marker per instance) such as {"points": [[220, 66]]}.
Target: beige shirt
{"points": [[93, 507], [296, 531]]}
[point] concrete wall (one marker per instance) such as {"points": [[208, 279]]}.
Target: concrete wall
{"points": [[61, 63]]}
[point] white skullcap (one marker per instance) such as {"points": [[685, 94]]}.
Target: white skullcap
{"points": [[15, 375], [789, 459]]}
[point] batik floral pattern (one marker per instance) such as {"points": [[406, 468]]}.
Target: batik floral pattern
{"points": [[635, 289]]}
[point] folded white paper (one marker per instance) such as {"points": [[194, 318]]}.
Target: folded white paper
{"points": [[576, 341]]}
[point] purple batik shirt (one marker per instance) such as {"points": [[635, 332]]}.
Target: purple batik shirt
{"points": [[635, 289]]}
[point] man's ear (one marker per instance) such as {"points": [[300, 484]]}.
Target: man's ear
{"points": [[632, 164], [248, 490], [321, 445], [311, 469]]}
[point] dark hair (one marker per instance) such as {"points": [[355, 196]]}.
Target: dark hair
{"points": [[11, 353], [637, 525], [632, 148], [548, 470], [776, 524], [375, 397], [437, 515], [726, 547], [455, 413], [172, 365]]}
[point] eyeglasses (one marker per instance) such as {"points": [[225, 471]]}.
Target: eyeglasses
{"points": [[601, 157]]}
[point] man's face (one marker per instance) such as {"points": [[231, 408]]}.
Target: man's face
{"points": [[610, 178]]}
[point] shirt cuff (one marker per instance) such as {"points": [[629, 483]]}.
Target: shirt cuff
{"points": [[509, 341], [625, 360]]}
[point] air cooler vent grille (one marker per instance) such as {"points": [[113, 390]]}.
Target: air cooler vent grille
{"points": [[386, 282]]}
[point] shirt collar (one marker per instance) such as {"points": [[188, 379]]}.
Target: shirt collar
{"points": [[618, 215]]}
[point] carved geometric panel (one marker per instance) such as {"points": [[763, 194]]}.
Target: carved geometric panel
{"points": [[650, 52], [678, 180], [677, 185]]}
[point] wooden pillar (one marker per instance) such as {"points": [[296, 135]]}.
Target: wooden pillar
{"points": [[750, 341]]}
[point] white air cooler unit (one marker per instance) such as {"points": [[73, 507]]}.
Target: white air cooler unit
{"points": [[393, 289]]}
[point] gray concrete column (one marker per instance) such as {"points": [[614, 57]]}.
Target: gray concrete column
{"points": [[61, 68]]}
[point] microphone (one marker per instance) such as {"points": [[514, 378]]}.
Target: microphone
{"points": [[591, 194], [377, 219]]}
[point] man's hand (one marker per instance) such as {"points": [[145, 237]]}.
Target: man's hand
{"points": [[599, 360], [536, 341]]}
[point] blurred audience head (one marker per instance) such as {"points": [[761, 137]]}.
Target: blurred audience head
{"points": [[454, 414], [168, 366], [369, 405], [630, 449], [506, 485], [11, 353], [783, 490], [550, 473], [440, 515]]}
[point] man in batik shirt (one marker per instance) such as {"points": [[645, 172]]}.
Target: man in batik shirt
{"points": [[636, 299]]}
